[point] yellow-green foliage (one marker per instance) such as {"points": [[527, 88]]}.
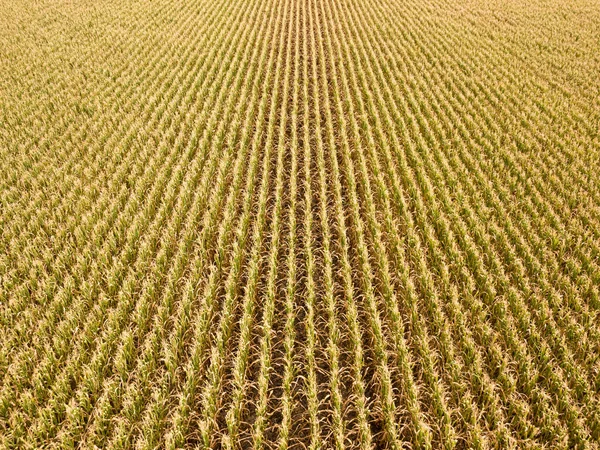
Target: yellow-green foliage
{"points": [[299, 224]]}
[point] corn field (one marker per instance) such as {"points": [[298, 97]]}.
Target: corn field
{"points": [[299, 224]]}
